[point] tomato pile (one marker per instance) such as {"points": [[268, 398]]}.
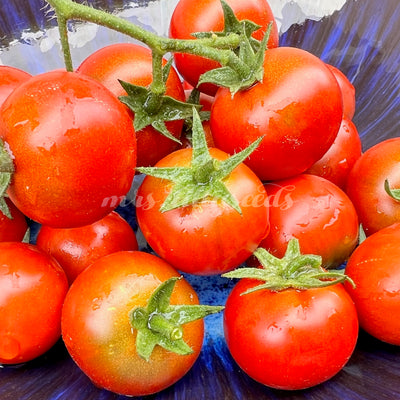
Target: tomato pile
{"points": [[252, 169]]}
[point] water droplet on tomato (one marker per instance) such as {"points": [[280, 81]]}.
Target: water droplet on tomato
{"points": [[10, 348]]}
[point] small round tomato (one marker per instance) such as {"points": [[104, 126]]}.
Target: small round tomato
{"points": [[374, 269], [348, 92], [32, 290], [77, 248], [317, 213], [191, 16], [337, 162], [10, 78], [98, 334], [73, 147], [209, 236], [132, 63], [297, 108], [12, 229], [290, 339], [366, 185]]}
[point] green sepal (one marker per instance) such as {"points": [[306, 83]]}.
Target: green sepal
{"points": [[361, 234], [205, 176], [294, 270], [237, 80], [5, 179], [160, 323], [169, 109], [393, 193]]}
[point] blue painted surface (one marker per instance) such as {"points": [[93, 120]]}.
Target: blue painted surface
{"points": [[363, 40]]}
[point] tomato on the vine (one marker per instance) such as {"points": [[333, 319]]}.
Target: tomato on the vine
{"points": [[297, 108], [100, 334], [77, 248], [373, 186], [287, 332], [72, 146], [374, 269], [316, 212], [191, 16], [132, 63], [32, 291]]}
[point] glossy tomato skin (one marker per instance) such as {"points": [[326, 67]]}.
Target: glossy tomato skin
{"points": [[336, 163], [132, 63], [97, 331], [348, 92], [192, 16], [365, 185], [208, 237], [73, 147], [297, 108], [77, 248], [32, 290], [316, 212], [12, 229], [304, 338], [10, 78], [374, 268]]}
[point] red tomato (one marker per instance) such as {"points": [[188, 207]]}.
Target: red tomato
{"points": [[97, 332], [73, 147], [132, 63], [337, 162], [208, 237], [348, 92], [366, 185], [12, 229], [297, 108], [317, 213], [192, 16], [290, 339], [10, 78], [374, 268], [77, 248], [32, 290]]}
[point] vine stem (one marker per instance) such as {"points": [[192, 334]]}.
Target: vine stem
{"points": [[216, 48]]}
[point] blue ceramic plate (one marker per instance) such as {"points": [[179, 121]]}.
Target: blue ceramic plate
{"points": [[362, 38]]}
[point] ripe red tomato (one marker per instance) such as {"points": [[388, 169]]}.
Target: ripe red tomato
{"points": [[132, 63], [208, 237], [317, 213], [32, 290], [348, 92], [374, 268], [73, 147], [297, 108], [98, 334], [337, 162], [290, 339], [10, 78], [77, 248], [12, 229], [192, 16], [366, 185]]}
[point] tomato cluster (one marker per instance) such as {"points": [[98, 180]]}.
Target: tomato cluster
{"points": [[237, 186]]}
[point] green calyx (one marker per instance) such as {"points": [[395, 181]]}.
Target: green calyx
{"points": [[6, 171], [151, 108], [204, 177], [393, 193], [294, 270], [160, 323]]}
